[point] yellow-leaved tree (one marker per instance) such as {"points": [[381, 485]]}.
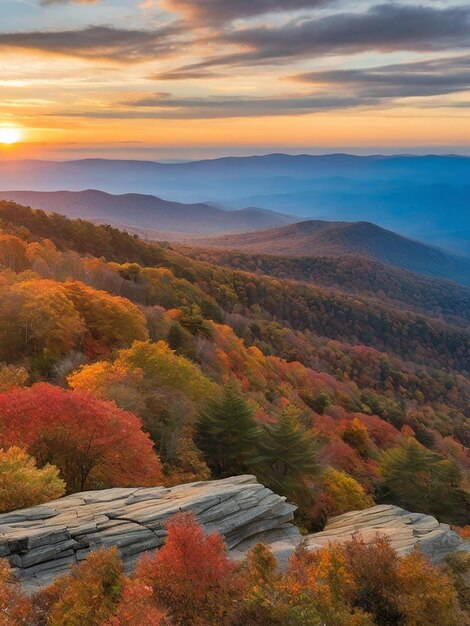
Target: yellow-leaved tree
{"points": [[23, 484]]}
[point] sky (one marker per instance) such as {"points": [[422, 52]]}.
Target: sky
{"points": [[174, 79]]}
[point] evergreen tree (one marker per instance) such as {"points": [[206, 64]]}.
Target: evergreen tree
{"points": [[289, 455], [227, 433], [420, 480]]}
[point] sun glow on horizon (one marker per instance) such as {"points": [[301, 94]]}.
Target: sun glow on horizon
{"points": [[10, 135]]}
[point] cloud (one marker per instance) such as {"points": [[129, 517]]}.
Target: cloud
{"points": [[161, 106], [380, 87], [404, 80], [219, 11], [385, 28], [98, 42]]}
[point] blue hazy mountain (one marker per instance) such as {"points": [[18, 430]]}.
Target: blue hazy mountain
{"points": [[425, 197], [146, 213], [314, 238]]}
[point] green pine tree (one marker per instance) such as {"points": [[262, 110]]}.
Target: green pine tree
{"points": [[228, 434], [289, 455], [418, 479]]}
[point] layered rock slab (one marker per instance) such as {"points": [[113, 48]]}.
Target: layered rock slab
{"points": [[43, 542], [405, 531]]}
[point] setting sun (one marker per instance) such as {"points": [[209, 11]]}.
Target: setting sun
{"points": [[10, 135]]}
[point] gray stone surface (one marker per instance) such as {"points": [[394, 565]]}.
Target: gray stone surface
{"points": [[406, 531], [42, 543]]}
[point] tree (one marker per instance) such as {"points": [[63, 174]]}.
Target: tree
{"points": [[425, 591], [175, 336], [342, 493], [321, 589], [22, 484], [161, 367], [137, 607], [192, 319], [289, 457], [114, 321], [93, 443], [227, 432], [457, 567], [320, 402], [263, 599], [192, 576], [38, 320], [13, 253], [12, 376], [356, 435], [420, 480], [373, 571], [163, 388]]}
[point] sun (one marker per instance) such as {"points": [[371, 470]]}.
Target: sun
{"points": [[9, 135]]}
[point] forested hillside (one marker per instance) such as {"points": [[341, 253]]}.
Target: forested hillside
{"points": [[352, 275], [300, 306]]}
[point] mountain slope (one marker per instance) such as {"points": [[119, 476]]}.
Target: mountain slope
{"points": [[148, 212], [338, 239], [353, 275]]}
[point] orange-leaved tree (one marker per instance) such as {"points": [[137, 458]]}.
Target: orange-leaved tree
{"points": [[89, 595], [114, 321], [426, 591], [136, 606]]}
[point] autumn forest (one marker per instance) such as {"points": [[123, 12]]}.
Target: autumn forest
{"points": [[125, 362]]}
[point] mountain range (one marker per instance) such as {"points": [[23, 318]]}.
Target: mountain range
{"points": [[148, 214], [424, 197], [339, 239]]}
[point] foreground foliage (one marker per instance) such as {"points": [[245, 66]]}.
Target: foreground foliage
{"points": [[192, 581]]}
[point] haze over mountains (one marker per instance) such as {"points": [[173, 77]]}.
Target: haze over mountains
{"points": [[424, 197], [148, 214], [338, 239]]}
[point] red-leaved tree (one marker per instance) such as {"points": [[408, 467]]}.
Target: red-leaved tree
{"points": [[192, 576], [92, 442]]}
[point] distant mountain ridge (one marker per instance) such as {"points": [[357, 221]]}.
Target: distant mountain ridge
{"points": [[321, 238], [423, 197], [147, 212]]}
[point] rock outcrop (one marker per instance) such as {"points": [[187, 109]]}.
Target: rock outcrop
{"points": [[43, 542], [404, 530]]}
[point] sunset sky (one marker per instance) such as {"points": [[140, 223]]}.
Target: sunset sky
{"points": [[189, 78]]}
